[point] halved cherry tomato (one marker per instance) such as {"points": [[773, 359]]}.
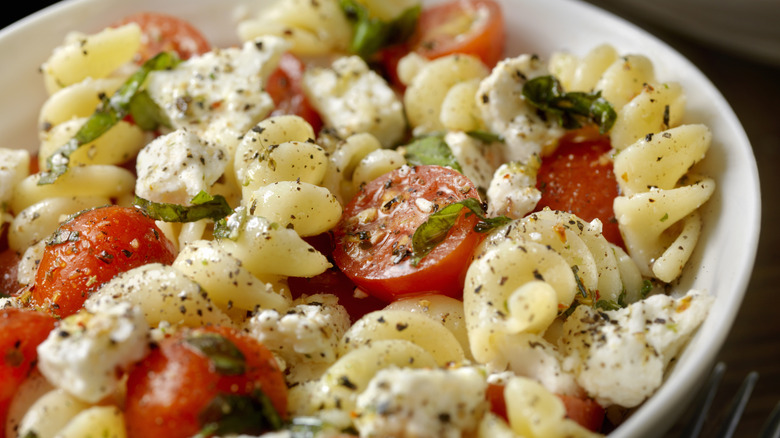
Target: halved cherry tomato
{"points": [[9, 264], [333, 281], [90, 249], [474, 27], [586, 412], [172, 392], [373, 238], [21, 330], [284, 86], [161, 33], [578, 178]]}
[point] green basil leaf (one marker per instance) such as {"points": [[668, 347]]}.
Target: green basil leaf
{"points": [[486, 136], [145, 112], [607, 305], [434, 230], [229, 414], [227, 359], [431, 150], [110, 111], [371, 34], [204, 206], [572, 109]]}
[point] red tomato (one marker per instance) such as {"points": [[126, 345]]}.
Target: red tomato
{"points": [[284, 86], [92, 248], [373, 238], [169, 391], [335, 282], [9, 264], [586, 412], [21, 330], [162, 33], [474, 27], [578, 178]]}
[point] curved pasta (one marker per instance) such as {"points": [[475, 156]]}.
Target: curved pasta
{"points": [[76, 100], [513, 287], [41, 219], [102, 180], [116, 146], [102, 421], [656, 108], [206, 263], [163, 293], [96, 55], [431, 87], [398, 324], [312, 28], [50, 414], [306, 208], [582, 74]]}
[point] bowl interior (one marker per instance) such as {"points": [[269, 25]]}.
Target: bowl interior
{"points": [[731, 217]]}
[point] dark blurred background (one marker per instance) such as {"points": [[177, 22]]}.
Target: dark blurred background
{"points": [[752, 87]]}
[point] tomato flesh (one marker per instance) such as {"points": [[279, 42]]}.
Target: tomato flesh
{"points": [[578, 178], [93, 247], [21, 331], [9, 264], [284, 86], [373, 238], [163, 33], [169, 389], [473, 27]]}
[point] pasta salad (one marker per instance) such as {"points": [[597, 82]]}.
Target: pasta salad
{"points": [[363, 219]]}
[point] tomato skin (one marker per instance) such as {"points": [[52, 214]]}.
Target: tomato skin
{"points": [[373, 238], [586, 412], [162, 33], [21, 331], [485, 39], [168, 389], [9, 264], [578, 178], [284, 86], [105, 242]]}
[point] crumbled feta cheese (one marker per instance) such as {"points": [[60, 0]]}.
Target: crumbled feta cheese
{"points": [[82, 355], [14, 167], [352, 99], [308, 332], [472, 156], [505, 112], [619, 357], [175, 167], [513, 191], [534, 357], [221, 94], [436, 403]]}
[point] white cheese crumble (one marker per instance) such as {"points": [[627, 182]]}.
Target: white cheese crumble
{"points": [[352, 99], [309, 332], [619, 357], [220, 95], [175, 167], [82, 355], [513, 191], [436, 403], [505, 112]]}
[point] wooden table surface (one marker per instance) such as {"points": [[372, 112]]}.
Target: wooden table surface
{"points": [[753, 90]]}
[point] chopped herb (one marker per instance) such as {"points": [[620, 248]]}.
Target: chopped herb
{"points": [[145, 112], [581, 287], [572, 109], [371, 34], [431, 150], [434, 230], [61, 236], [229, 414], [487, 137], [108, 113], [647, 286], [665, 217], [204, 206], [224, 355]]}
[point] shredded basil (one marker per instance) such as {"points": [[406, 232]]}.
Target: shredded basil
{"points": [[227, 359], [572, 109], [204, 206], [228, 414], [371, 34], [486, 136], [145, 112], [108, 113], [434, 230], [431, 150]]}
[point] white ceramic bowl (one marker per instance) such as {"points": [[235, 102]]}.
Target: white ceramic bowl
{"points": [[723, 261]]}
